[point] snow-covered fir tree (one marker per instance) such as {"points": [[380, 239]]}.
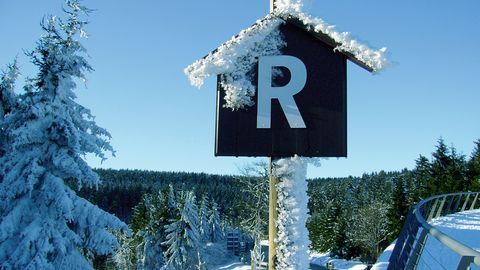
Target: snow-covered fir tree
{"points": [[7, 85], [151, 256], [8, 99], [43, 223], [183, 237], [216, 232], [144, 249], [171, 202], [126, 258], [205, 230]]}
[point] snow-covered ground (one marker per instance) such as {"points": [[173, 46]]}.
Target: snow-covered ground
{"points": [[321, 259], [463, 227], [317, 262], [217, 256], [382, 261], [234, 266]]}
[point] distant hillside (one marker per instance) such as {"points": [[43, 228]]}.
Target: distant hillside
{"points": [[122, 189]]}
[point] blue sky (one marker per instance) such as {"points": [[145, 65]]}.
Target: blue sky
{"points": [[158, 121]]}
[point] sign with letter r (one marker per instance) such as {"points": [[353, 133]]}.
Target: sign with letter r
{"points": [[300, 104]]}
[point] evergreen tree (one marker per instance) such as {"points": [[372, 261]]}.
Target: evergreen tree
{"points": [[126, 257], [397, 211], [215, 224], [321, 227], [440, 164], [145, 250], [447, 170], [422, 178], [139, 219], [8, 100], [43, 223], [172, 203], [183, 238], [151, 256], [458, 179], [205, 231], [474, 168]]}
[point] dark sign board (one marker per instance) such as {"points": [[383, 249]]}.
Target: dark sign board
{"points": [[312, 124]]}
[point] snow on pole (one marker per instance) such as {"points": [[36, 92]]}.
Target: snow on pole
{"points": [[292, 239]]}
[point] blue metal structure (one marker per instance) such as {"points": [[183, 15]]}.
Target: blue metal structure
{"points": [[416, 230]]}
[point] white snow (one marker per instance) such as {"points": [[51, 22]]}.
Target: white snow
{"points": [[321, 259], [463, 227], [216, 256], [292, 239], [43, 223], [382, 261], [236, 57], [235, 266]]}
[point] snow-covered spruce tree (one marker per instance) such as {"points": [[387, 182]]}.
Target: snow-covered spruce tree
{"points": [[473, 167], [397, 210], [216, 232], [129, 256], [144, 249], [43, 223], [172, 204], [183, 237], [205, 230], [8, 100], [151, 256], [125, 257]]}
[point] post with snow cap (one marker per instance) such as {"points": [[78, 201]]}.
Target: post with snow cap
{"points": [[282, 92]]}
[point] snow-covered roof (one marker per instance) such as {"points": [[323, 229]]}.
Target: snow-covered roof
{"points": [[236, 57]]}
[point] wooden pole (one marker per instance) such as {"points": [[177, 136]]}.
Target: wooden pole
{"points": [[272, 203], [272, 217]]}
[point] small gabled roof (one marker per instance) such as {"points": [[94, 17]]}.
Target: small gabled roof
{"points": [[371, 60], [238, 55], [329, 40]]}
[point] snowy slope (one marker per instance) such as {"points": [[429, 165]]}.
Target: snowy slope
{"points": [[321, 259], [463, 227]]}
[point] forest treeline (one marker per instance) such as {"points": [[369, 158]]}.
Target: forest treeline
{"points": [[351, 216], [121, 190], [360, 216]]}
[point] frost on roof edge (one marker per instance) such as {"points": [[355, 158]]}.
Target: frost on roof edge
{"points": [[236, 57]]}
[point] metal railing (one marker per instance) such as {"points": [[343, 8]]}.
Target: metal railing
{"points": [[413, 236]]}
